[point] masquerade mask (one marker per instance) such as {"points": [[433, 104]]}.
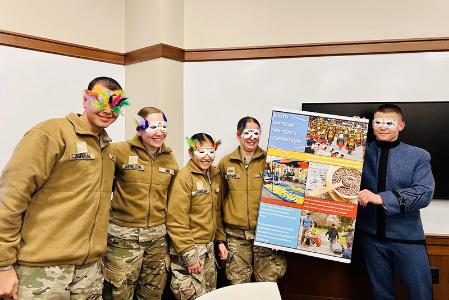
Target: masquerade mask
{"points": [[192, 145], [388, 123], [157, 125], [250, 133], [154, 126], [203, 151], [103, 98]]}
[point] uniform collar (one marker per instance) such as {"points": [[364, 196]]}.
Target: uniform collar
{"points": [[237, 155], [80, 128], [213, 170]]}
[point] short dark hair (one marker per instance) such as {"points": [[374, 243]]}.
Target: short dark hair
{"points": [[242, 122], [107, 82], [202, 137], [390, 107]]}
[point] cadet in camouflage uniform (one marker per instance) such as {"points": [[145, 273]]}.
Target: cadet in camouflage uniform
{"points": [[242, 171], [55, 200], [137, 260], [194, 221]]}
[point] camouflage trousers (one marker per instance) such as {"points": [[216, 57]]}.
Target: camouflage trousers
{"points": [[185, 285], [245, 259], [60, 282], [136, 268]]}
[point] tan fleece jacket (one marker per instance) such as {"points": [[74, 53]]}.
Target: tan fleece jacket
{"points": [[242, 188], [141, 187], [55, 196], [194, 208]]}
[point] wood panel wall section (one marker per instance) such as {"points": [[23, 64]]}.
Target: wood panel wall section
{"points": [[24, 41], [162, 50], [318, 279], [438, 248]]}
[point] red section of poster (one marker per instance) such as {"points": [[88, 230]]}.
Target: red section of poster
{"points": [[280, 202], [319, 205], [330, 207]]}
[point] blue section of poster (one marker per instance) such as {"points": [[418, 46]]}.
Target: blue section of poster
{"points": [[288, 131], [278, 225]]}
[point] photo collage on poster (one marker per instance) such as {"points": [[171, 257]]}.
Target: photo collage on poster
{"points": [[311, 181]]}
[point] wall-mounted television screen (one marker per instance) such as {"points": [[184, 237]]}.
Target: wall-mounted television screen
{"points": [[427, 126]]}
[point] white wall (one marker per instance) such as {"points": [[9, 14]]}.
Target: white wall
{"points": [[218, 94], [36, 86], [158, 83]]}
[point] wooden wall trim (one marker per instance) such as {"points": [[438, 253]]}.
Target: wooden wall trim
{"points": [[172, 52], [143, 54], [322, 49], [216, 54], [24, 41], [437, 239], [153, 52]]}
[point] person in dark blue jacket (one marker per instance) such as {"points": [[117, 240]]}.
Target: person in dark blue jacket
{"points": [[397, 182]]}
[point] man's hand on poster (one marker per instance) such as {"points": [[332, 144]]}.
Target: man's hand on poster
{"points": [[366, 196]]}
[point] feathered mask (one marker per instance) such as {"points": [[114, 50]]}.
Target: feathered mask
{"points": [[192, 145], [145, 125], [103, 98]]}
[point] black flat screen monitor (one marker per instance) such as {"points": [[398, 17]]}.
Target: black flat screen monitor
{"points": [[427, 125]]}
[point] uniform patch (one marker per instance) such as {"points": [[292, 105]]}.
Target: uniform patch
{"points": [[199, 185], [258, 175], [217, 190], [111, 157], [133, 167], [166, 171], [231, 174], [82, 156], [133, 160], [230, 170], [81, 147], [200, 192]]}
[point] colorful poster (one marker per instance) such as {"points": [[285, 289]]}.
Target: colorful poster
{"points": [[311, 181]]}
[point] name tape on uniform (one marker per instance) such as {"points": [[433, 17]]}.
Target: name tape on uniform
{"points": [[166, 171], [133, 167]]}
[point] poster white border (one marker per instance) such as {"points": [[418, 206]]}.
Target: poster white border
{"points": [[293, 250], [310, 113]]}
